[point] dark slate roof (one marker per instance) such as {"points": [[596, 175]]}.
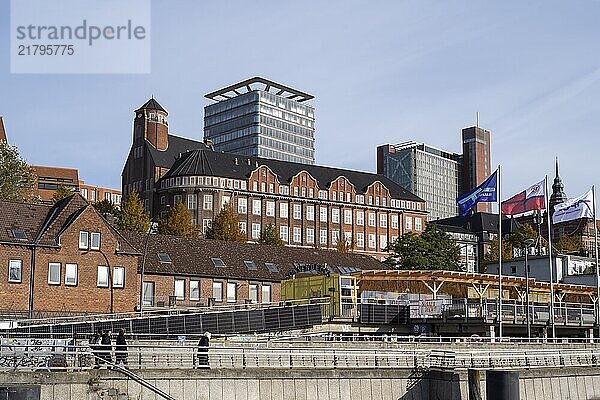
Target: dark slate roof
{"points": [[479, 222], [152, 104], [21, 217], [192, 257], [208, 162], [177, 145]]}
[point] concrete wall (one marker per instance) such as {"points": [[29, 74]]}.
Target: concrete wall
{"points": [[568, 384]]}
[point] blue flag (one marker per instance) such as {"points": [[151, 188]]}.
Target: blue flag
{"points": [[486, 193]]}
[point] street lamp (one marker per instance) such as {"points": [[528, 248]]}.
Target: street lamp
{"points": [[528, 243]]}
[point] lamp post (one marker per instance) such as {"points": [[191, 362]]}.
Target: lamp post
{"points": [[528, 243]]}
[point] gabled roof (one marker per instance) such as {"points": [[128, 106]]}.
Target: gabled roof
{"points": [[28, 218], [192, 257], [177, 145], [152, 104], [212, 163]]}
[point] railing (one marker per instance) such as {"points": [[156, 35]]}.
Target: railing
{"points": [[44, 357]]}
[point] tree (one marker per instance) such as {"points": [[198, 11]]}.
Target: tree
{"points": [[178, 222], [344, 245], [17, 178], [492, 255], [434, 249], [226, 226], [105, 207], [269, 235], [61, 193], [567, 243], [133, 217]]}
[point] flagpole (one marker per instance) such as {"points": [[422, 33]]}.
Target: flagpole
{"points": [[596, 256], [499, 198], [550, 258]]}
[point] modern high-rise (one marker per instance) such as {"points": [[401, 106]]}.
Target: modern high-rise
{"points": [[261, 118], [429, 172], [477, 161]]}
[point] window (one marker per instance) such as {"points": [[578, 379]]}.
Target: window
{"points": [[323, 214], [256, 207], [217, 262], [283, 233], [270, 209], [394, 221], [418, 223], [95, 241], [176, 199], [250, 265], [118, 277], [71, 274], [382, 242], [323, 236], [297, 234], [372, 241], [102, 276], [256, 231], [360, 218], [335, 237], [206, 224], [15, 271], [311, 192], [310, 235], [148, 294], [194, 289], [360, 240], [54, 273], [207, 204], [271, 188], [348, 217], [179, 290], [242, 205], [283, 210], [263, 187], [217, 291], [335, 215], [295, 190], [297, 211], [242, 227], [253, 293], [231, 292], [19, 234], [409, 223], [266, 293], [192, 202], [271, 267], [83, 240], [310, 213], [371, 219], [164, 258], [383, 220]]}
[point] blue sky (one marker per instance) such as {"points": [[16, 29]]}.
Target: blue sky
{"points": [[381, 72]]}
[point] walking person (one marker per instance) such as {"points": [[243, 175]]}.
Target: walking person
{"points": [[203, 350], [121, 353], [106, 345]]}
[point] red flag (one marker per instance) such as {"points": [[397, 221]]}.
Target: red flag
{"points": [[530, 199]]}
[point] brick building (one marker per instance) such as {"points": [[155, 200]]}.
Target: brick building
{"points": [[188, 272], [78, 262], [312, 206], [476, 161]]}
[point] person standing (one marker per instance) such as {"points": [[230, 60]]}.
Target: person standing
{"points": [[98, 358], [106, 345], [121, 348], [203, 350]]}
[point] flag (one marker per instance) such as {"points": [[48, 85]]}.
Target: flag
{"points": [[530, 199], [485, 193], [580, 207]]}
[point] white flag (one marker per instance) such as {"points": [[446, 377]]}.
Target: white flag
{"points": [[580, 207]]}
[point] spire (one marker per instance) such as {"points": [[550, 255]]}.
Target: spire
{"points": [[558, 195], [152, 104], [2, 131]]}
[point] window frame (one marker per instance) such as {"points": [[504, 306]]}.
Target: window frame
{"points": [[98, 283], [10, 265], [235, 296], [115, 283], [87, 240], [67, 265], [181, 282], [214, 285], [197, 282], [50, 265], [92, 236]]}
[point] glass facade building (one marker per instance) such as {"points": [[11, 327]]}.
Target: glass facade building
{"points": [[263, 119], [426, 171]]}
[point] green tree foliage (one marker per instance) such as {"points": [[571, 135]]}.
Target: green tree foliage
{"points": [[61, 193], [105, 207], [434, 249], [344, 245], [17, 178], [269, 235], [178, 222], [515, 240], [492, 254], [226, 226], [133, 217], [567, 243]]}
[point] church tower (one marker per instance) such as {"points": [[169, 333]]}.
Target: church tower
{"points": [[558, 195], [151, 124]]}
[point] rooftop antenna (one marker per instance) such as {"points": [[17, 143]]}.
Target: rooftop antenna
{"points": [[477, 120]]}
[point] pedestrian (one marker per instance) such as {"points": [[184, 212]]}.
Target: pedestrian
{"points": [[203, 345], [95, 348], [121, 348], [106, 345]]}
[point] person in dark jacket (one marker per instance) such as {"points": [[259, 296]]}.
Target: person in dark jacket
{"points": [[203, 350], [121, 348], [106, 346], [95, 348]]}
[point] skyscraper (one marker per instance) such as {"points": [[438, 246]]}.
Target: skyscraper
{"points": [[429, 172], [476, 161], [259, 117]]}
